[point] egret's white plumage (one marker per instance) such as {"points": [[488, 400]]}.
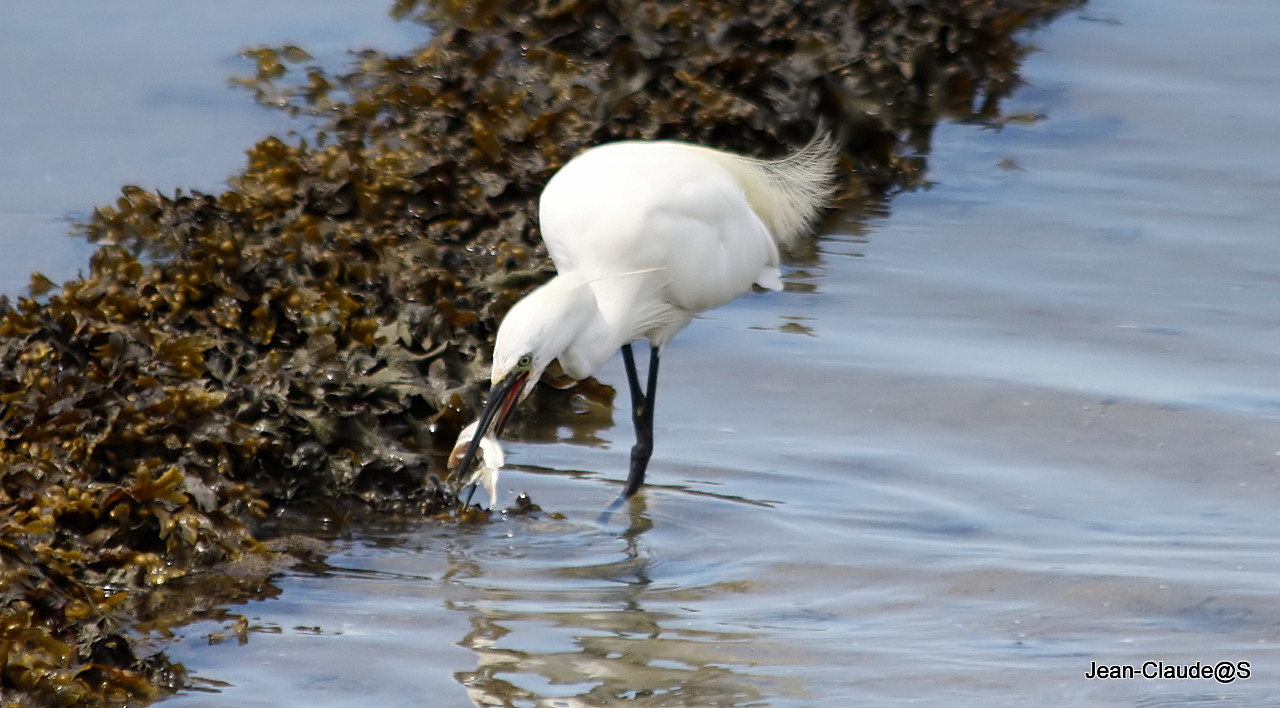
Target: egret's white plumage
{"points": [[644, 235]]}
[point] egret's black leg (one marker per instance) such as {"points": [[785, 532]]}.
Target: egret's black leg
{"points": [[633, 379], [641, 416]]}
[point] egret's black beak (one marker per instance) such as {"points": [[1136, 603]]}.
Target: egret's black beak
{"points": [[502, 400]]}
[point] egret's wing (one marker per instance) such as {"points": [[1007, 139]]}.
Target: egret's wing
{"points": [[662, 208], [716, 246]]}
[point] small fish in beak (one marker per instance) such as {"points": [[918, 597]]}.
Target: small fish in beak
{"points": [[491, 460]]}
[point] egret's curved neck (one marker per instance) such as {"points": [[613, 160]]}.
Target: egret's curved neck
{"points": [[547, 322], [568, 305]]}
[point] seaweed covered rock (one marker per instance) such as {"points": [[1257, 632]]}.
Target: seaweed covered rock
{"points": [[318, 333]]}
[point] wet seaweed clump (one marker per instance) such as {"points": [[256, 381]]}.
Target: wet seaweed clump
{"points": [[315, 336]]}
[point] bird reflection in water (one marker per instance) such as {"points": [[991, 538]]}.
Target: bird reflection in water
{"points": [[622, 647]]}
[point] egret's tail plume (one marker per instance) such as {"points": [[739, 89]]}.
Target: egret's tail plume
{"points": [[787, 194]]}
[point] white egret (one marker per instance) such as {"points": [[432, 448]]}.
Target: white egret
{"points": [[644, 235]]}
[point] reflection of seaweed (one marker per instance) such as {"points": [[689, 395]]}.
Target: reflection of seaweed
{"points": [[312, 333]]}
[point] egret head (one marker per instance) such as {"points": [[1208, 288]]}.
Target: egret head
{"points": [[534, 333], [526, 344]]}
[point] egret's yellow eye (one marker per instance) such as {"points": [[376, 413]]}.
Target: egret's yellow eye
{"points": [[525, 361]]}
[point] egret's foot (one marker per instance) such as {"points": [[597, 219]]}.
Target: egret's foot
{"points": [[605, 515]]}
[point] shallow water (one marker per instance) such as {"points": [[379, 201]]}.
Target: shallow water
{"points": [[100, 95], [1025, 422]]}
